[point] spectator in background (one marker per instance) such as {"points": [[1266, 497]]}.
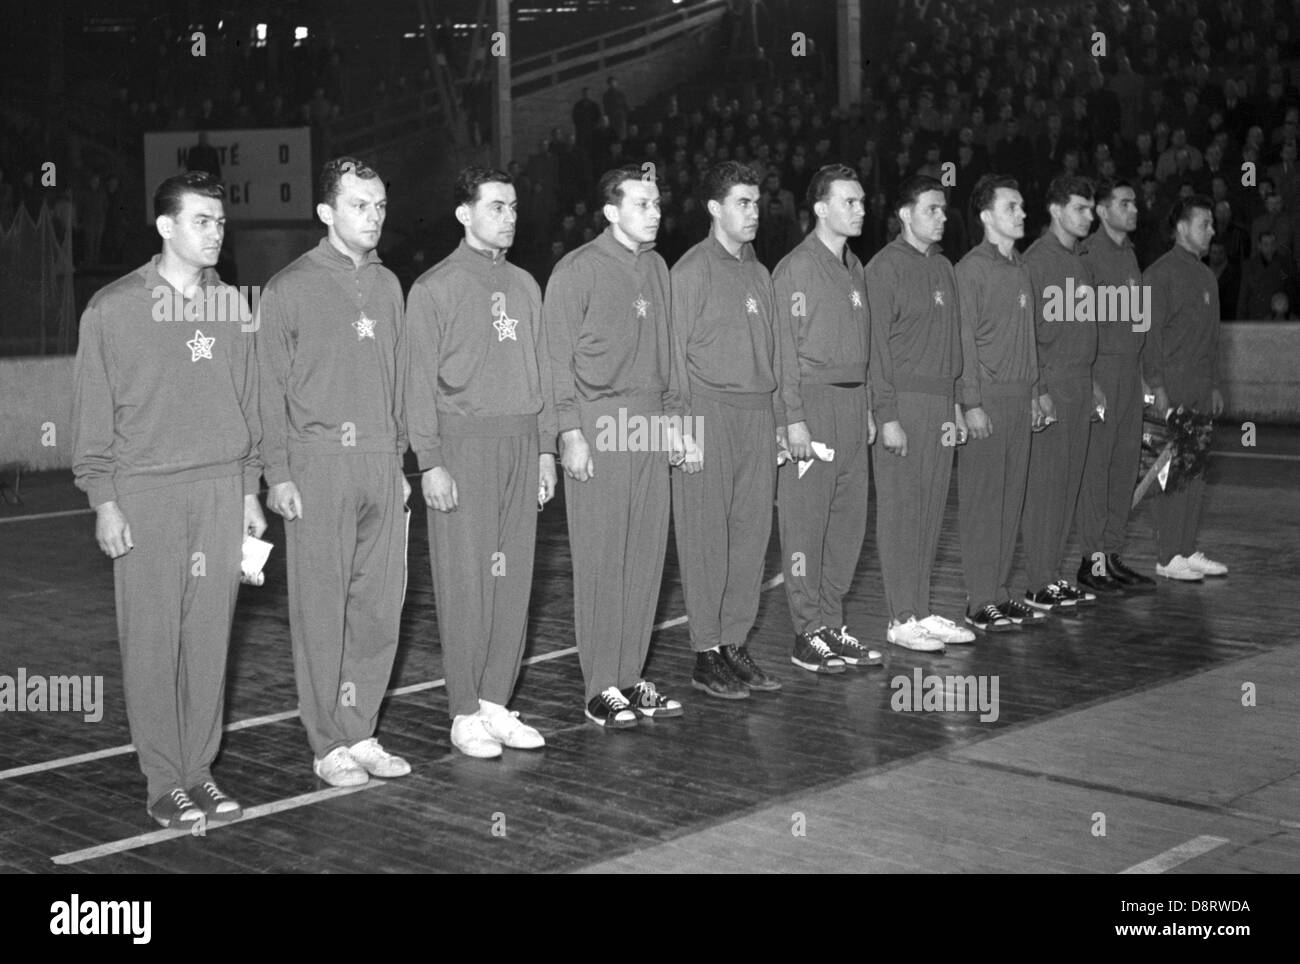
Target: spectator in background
{"points": [[1278, 220], [615, 104], [1263, 274], [1280, 308], [1229, 275], [91, 210], [204, 157], [777, 233], [1226, 230], [586, 115]]}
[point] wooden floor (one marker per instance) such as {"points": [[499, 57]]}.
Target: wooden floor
{"points": [[1132, 712]]}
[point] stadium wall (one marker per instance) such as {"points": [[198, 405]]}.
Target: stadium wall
{"points": [[1259, 361]]}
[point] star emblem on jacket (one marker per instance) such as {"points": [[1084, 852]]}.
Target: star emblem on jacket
{"points": [[938, 296], [1024, 301], [200, 347], [856, 298], [365, 327], [505, 326], [751, 305], [640, 305]]}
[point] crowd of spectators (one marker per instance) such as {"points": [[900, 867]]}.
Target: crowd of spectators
{"points": [[1178, 96]]}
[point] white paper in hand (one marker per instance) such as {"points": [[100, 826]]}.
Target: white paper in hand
{"points": [[822, 452], [256, 552]]}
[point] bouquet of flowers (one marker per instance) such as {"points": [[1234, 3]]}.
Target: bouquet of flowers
{"points": [[1175, 450]]}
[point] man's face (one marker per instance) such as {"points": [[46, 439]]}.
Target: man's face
{"points": [[1267, 246], [926, 217], [1005, 220], [842, 210], [194, 235], [737, 214], [490, 220], [1075, 216], [637, 214], [1198, 230], [356, 217]]}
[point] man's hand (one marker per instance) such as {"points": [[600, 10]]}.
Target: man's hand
{"points": [[1216, 403], [1162, 403], [800, 441], [871, 428], [893, 438], [694, 455], [1046, 409], [959, 420], [112, 531], [284, 500], [254, 521], [575, 455], [1098, 397], [439, 490], [546, 475], [979, 423]]}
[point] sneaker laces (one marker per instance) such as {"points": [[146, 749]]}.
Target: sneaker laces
{"points": [[615, 700], [741, 655], [936, 620], [213, 791], [181, 799], [819, 646], [846, 638], [992, 613]]}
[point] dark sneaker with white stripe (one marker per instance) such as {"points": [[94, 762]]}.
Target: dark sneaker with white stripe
{"points": [[1049, 598], [846, 647], [176, 807], [1022, 615], [749, 672], [611, 709], [1069, 591], [216, 805], [813, 653], [714, 675], [990, 619], [647, 701]]}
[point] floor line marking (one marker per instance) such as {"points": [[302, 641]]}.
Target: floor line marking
{"points": [[158, 836], [1177, 855], [67, 761]]}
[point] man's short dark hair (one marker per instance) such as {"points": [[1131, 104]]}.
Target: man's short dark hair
{"points": [[1107, 187], [985, 191], [1064, 186], [819, 188], [470, 179], [612, 181], [722, 177], [170, 196], [910, 191], [1184, 208], [331, 176]]}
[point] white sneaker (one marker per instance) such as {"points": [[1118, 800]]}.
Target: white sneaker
{"points": [[912, 635], [945, 630], [503, 726], [1206, 567], [377, 761], [1180, 568], [471, 737], [338, 769]]}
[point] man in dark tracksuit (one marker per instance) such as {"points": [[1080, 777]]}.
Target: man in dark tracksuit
{"points": [[1115, 443], [333, 358], [166, 448], [915, 360], [722, 327], [483, 427], [1067, 346], [607, 326], [1180, 363], [999, 371], [821, 315]]}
